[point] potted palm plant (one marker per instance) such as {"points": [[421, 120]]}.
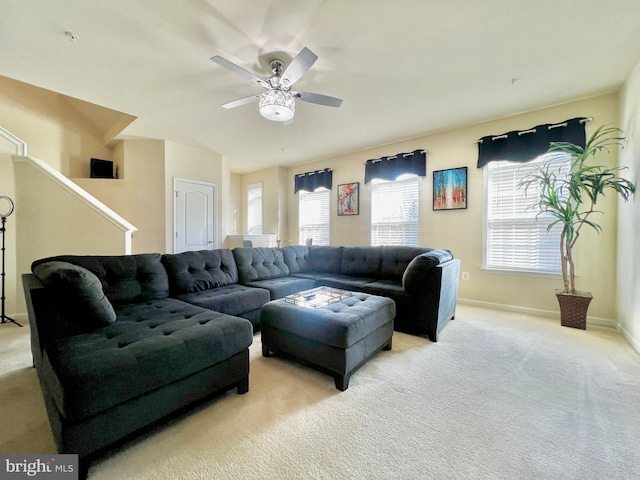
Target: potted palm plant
{"points": [[571, 202]]}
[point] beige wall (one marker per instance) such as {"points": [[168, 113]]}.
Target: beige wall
{"points": [[227, 211], [273, 200], [139, 194], [144, 194], [283, 208], [58, 132], [7, 188], [53, 221], [235, 205], [628, 278], [53, 129], [461, 230]]}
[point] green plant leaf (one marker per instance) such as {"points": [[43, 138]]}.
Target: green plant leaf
{"points": [[570, 200]]}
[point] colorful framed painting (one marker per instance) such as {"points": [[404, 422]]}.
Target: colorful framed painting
{"points": [[349, 198], [450, 189]]}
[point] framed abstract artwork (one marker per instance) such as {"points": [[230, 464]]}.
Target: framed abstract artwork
{"points": [[349, 198], [450, 189]]}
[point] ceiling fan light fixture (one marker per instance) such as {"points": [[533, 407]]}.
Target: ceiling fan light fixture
{"points": [[277, 105]]}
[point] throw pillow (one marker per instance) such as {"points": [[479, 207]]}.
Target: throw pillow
{"points": [[80, 285]]}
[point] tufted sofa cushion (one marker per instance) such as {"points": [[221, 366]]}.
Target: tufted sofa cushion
{"points": [[297, 258], [283, 286], [231, 299], [340, 324], [150, 345], [361, 261], [202, 270], [325, 259], [396, 259], [259, 264], [125, 278]]}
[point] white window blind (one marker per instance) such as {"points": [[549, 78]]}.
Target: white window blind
{"points": [[254, 209], [395, 211], [514, 238], [313, 216]]}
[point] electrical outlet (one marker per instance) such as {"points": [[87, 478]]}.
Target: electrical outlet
{"points": [[465, 275]]}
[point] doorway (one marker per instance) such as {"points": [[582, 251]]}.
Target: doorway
{"points": [[194, 226]]}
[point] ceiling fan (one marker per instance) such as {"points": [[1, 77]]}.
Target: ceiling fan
{"points": [[277, 101]]}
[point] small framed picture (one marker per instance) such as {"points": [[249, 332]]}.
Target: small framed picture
{"points": [[349, 198], [450, 189]]}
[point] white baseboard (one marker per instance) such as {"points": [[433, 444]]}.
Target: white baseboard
{"points": [[629, 338], [591, 321]]}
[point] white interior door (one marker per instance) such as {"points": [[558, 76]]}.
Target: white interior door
{"points": [[194, 215]]}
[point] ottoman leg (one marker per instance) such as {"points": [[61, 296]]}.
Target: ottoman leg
{"points": [[265, 351], [388, 345], [243, 386], [342, 381]]}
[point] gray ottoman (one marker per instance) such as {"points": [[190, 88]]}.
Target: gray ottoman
{"points": [[337, 338]]}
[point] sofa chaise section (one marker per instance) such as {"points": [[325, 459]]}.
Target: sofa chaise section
{"points": [[114, 353]]}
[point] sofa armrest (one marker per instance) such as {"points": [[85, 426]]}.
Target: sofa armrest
{"points": [[49, 317], [418, 269], [33, 288], [436, 300]]}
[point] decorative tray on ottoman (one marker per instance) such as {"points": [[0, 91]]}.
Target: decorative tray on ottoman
{"points": [[317, 297]]}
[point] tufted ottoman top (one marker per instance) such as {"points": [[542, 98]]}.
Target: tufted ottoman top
{"points": [[151, 344], [340, 324]]}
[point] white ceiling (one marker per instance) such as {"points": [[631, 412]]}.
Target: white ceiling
{"points": [[404, 68]]}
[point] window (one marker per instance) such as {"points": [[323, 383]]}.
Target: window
{"points": [[313, 216], [514, 240], [254, 209], [394, 211]]}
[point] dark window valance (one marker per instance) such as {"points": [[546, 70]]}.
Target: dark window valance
{"points": [[526, 145], [311, 180], [390, 168]]}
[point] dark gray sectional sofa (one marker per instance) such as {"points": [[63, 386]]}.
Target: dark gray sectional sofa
{"points": [[120, 342]]}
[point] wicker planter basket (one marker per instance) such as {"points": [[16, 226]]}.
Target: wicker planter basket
{"points": [[573, 308]]}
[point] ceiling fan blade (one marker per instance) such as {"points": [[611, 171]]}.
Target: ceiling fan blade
{"points": [[318, 98], [240, 71], [240, 101], [299, 66]]}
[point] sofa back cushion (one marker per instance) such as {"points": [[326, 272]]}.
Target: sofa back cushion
{"points": [[259, 263], [202, 270], [325, 259], [396, 259], [361, 261], [297, 258], [125, 278]]}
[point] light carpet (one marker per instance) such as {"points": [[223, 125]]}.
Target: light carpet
{"points": [[500, 396]]}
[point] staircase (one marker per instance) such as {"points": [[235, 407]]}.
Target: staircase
{"points": [[52, 216]]}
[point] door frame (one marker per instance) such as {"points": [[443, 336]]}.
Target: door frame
{"points": [[175, 216]]}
